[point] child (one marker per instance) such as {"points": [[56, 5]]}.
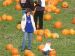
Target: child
{"points": [[28, 27], [47, 48]]}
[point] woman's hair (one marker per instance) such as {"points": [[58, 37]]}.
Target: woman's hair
{"points": [[28, 10]]}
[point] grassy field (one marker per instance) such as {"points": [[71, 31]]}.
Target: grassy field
{"points": [[64, 45]]}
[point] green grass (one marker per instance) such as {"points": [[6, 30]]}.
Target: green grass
{"points": [[65, 45]]}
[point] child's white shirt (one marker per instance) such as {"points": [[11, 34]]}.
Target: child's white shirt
{"points": [[47, 47]]}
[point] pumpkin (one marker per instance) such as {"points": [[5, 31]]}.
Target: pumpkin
{"points": [[48, 9], [47, 17], [36, 32], [14, 51], [0, 19], [15, 55], [47, 33], [7, 2], [17, 1], [73, 21], [58, 24], [52, 53], [57, 11], [46, 1], [9, 47], [53, 8], [65, 5], [18, 7], [65, 32], [55, 35], [39, 38], [40, 47], [4, 16], [9, 18], [28, 53], [72, 31], [40, 32], [18, 26]]}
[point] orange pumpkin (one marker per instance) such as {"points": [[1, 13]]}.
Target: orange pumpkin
{"points": [[28, 53], [9, 47], [9, 18], [7, 2], [17, 1], [46, 1], [53, 8], [15, 55], [57, 11], [39, 38], [65, 5], [65, 32], [47, 17], [40, 47], [55, 35], [72, 31], [0, 19], [40, 32], [52, 53], [48, 9], [14, 51], [18, 26], [73, 21], [58, 24], [4, 16], [18, 7]]}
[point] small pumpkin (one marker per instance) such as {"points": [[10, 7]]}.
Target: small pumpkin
{"points": [[14, 51], [40, 47], [7, 2], [9, 18], [47, 33], [48, 9], [58, 24], [18, 7], [39, 38], [47, 17], [9, 47], [0, 18], [4, 16], [65, 5], [15, 55], [55, 35], [52, 53], [17, 1], [65, 32], [73, 20], [57, 11], [72, 31], [28, 53], [18, 26]]}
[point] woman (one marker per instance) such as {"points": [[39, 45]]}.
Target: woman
{"points": [[39, 11]]}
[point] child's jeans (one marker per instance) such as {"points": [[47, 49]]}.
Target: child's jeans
{"points": [[46, 53], [29, 37]]}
